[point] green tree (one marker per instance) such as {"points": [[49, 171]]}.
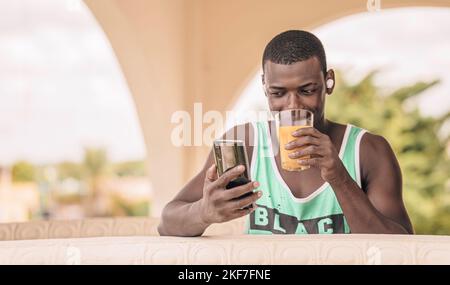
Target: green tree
{"points": [[95, 162], [69, 169], [95, 166], [130, 168], [23, 171], [413, 137]]}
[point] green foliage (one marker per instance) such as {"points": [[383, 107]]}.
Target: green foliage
{"points": [[23, 171], [130, 168], [414, 139], [69, 169], [123, 207], [95, 162]]}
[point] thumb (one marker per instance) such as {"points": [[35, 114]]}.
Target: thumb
{"points": [[211, 174]]}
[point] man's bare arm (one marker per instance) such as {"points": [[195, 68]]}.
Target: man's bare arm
{"points": [[190, 213], [380, 209], [181, 216]]}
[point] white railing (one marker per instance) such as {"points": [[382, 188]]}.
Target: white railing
{"points": [[135, 241]]}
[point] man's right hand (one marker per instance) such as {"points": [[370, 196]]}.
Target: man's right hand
{"points": [[219, 204]]}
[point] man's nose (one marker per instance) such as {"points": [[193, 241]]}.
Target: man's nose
{"points": [[294, 101]]}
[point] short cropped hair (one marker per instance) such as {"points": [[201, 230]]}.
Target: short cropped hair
{"points": [[293, 46]]}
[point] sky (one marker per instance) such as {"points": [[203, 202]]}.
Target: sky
{"points": [[61, 87]]}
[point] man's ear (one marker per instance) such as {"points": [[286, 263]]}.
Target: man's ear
{"points": [[330, 81]]}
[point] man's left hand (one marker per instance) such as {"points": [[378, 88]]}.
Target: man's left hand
{"points": [[323, 154]]}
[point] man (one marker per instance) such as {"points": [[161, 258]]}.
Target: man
{"points": [[354, 182]]}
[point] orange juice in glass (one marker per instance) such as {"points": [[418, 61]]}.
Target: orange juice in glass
{"points": [[289, 121]]}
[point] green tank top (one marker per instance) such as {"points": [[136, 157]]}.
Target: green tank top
{"points": [[279, 211]]}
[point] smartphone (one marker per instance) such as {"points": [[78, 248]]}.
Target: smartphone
{"points": [[229, 154]]}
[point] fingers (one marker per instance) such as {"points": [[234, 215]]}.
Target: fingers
{"points": [[236, 192], [230, 175], [311, 131], [242, 212], [314, 162], [241, 203], [302, 141], [211, 174], [309, 150]]}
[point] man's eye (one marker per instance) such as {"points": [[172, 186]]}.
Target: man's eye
{"points": [[276, 94], [308, 92]]}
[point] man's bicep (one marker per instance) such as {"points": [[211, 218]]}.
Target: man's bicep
{"points": [[383, 179]]}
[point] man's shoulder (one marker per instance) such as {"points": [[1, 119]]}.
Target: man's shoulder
{"points": [[369, 141], [375, 144], [376, 154]]}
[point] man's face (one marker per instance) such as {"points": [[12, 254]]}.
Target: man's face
{"points": [[300, 85]]}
